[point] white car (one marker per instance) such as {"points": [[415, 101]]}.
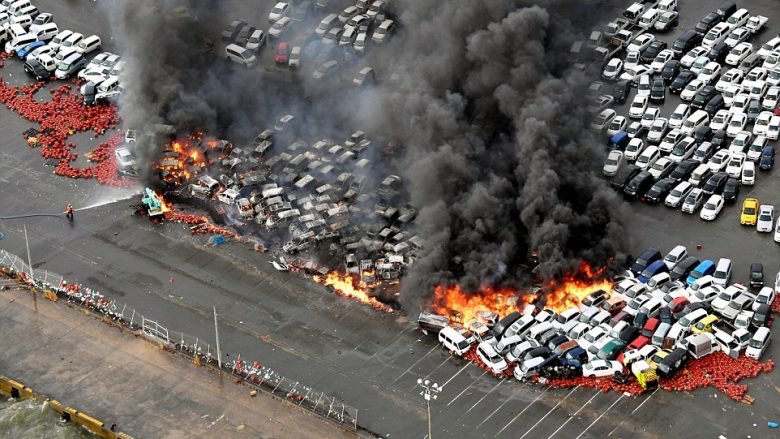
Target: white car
{"points": [[734, 168], [490, 357], [756, 74], [612, 69], [771, 98], [773, 78], [777, 239], [638, 106], [738, 53], [769, 47], [612, 163], [632, 58], [709, 73], [737, 36], [634, 148], [758, 145], [677, 195], [689, 58], [660, 166], [720, 120], [633, 73], [758, 343], [766, 218], [280, 10], [762, 123], [641, 42], [730, 93], [741, 142], [731, 77], [712, 208], [666, 21], [772, 60], [679, 115], [658, 130], [661, 59], [736, 124], [643, 353], [649, 116], [672, 138], [757, 90], [773, 129], [740, 103], [643, 88], [601, 368], [719, 161], [691, 89], [592, 336], [617, 125], [749, 174], [756, 23], [601, 121], [279, 27], [699, 64]]}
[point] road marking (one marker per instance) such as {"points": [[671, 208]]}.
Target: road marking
{"points": [[499, 407], [575, 414], [526, 408], [548, 413], [643, 402], [632, 412], [485, 396], [456, 374], [434, 369], [464, 390], [600, 416], [415, 363]]}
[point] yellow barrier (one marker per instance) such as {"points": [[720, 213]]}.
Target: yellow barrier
{"points": [[18, 390]]}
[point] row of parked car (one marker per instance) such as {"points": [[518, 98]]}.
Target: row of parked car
{"points": [[663, 311]]}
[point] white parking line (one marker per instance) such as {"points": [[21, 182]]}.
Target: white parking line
{"points": [[436, 368], [464, 390], [600, 416], [415, 363], [523, 411], [643, 402], [575, 414], [548, 413], [632, 412], [456, 374], [483, 398], [499, 407]]}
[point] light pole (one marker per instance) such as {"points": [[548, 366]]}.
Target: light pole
{"points": [[429, 391]]}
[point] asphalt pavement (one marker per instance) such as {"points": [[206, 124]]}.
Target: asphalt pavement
{"points": [[369, 359]]}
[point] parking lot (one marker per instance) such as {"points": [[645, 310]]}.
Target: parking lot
{"points": [[370, 360]]}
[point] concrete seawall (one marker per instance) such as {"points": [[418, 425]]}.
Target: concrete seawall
{"points": [[124, 380]]}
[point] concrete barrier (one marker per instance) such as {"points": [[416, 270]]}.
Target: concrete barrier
{"points": [[15, 389]]}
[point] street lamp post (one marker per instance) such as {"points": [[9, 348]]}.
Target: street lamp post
{"points": [[429, 392]]}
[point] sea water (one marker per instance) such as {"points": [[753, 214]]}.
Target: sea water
{"points": [[33, 419]]}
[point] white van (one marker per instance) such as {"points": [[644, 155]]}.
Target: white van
{"points": [[651, 307], [24, 20], [56, 42], [539, 329], [692, 317], [675, 335], [694, 122], [30, 10], [700, 175], [578, 331], [648, 157], [667, 5], [738, 19], [634, 12], [722, 273], [454, 341], [72, 41], [649, 18], [565, 317], [88, 44], [47, 31], [758, 344], [716, 35], [18, 6], [240, 55]]}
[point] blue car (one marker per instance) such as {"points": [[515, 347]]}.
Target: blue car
{"points": [[24, 51], [767, 159], [575, 357], [704, 268], [653, 269], [648, 257]]}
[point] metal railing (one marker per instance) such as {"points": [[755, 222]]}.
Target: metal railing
{"points": [[255, 375]]}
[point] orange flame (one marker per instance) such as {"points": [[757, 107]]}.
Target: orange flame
{"points": [[348, 286], [557, 295]]}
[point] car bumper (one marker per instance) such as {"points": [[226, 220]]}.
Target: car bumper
{"points": [[708, 217]]}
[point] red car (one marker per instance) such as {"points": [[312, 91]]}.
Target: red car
{"points": [[282, 53], [678, 304], [650, 327]]}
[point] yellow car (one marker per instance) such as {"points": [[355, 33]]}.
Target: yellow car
{"points": [[749, 212], [655, 359], [705, 324]]}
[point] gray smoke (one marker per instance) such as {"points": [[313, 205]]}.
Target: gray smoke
{"points": [[499, 156]]}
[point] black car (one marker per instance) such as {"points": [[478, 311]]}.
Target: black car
{"points": [[638, 185], [685, 42], [681, 270], [665, 315], [630, 333], [753, 110], [693, 307], [756, 275], [620, 91], [243, 35], [731, 190], [670, 70], [646, 258], [702, 134], [703, 96], [503, 324], [708, 22], [715, 184], [719, 139], [680, 81], [715, 104], [657, 90], [660, 190], [761, 315], [673, 362], [649, 54], [623, 176], [683, 170], [719, 52], [229, 34], [36, 70]]}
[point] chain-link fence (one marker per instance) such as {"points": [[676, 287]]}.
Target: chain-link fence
{"points": [[257, 376]]}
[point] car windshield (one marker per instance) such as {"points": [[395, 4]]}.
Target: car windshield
{"points": [[755, 344], [750, 211], [708, 206], [632, 147], [611, 162], [765, 217]]}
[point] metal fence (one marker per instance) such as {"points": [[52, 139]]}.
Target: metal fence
{"points": [[253, 373]]}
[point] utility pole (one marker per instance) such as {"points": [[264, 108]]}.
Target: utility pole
{"points": [[29, 262], [216, 332], [430, 392]]}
